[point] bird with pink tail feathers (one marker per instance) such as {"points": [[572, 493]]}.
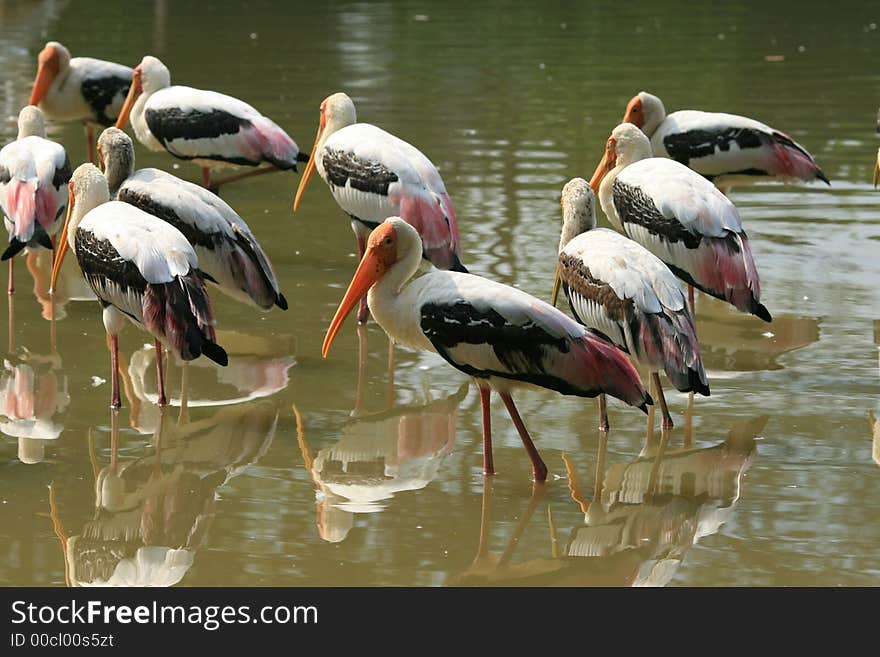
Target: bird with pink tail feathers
{"points": [[34, 172]]}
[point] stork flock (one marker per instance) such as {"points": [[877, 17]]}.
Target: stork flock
{"points": [[151, 245]]}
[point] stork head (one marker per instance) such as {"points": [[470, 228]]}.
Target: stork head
{"points": [[31, 122], [87, 190], [391, 243], [578, 216], [53, 58], [337, 111], [645, 111], [627, 144], [115, 157]]}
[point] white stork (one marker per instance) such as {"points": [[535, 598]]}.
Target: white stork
{"points": [[228, 253], [79, 89], [33, 186], [373, 175], [140, 268], [501, 336], [728, 149], [620, 289], [680, 217], [211, 129]]}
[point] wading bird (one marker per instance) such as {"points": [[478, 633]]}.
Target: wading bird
{"points": [[620, 289], [211, 129], [33, 186], [373, 175], [141, 269], [725, 148], [501, 336], [228, 253], [680, 217], [79, 89]]}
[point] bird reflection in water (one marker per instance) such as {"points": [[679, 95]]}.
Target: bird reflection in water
{"points": [[378, 455], [643, 517], [258, 367], [152, 513]]}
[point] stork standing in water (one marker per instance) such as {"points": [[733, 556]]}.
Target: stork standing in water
{"points": [[373, 175], [620, 289], [228, 253], [680, 217], [211, 129], [728, 149], [499, 335], [140, 268], [79, 89], [33, 186]]}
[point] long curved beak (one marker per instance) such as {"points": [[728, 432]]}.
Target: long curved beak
{"points": [[61, 246], [608, 162], [45, 74], [556, 283], [310, 167], [371, 269], [134, 91]]}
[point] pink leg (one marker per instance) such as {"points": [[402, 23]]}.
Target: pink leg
{"points": [[539, 470], [691, 302], [11, 289], [666, 424], [363, 308], [390, 371], [160, 373], [115, 401], [258, 171], [488, 465], [603, 414], [206, 178]]}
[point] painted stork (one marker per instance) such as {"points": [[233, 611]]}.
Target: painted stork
{"points": [[501, 336], [140, 268], [33, 186], [79, 89], [725, 148], [620, 289], [373, 175], [211, 129], [228, 253], [680, 217]]}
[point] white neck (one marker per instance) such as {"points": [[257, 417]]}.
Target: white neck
{"points": [[576, 220], [31, 123], [89, 190]]}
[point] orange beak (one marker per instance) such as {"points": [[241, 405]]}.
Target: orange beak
{"points": [[380, 255], [61, 245], [47, 69], [609, 161], [135, 90], [310, 167], [634, 113]]}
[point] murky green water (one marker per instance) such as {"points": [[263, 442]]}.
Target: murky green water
{"points": [[778, 486]]}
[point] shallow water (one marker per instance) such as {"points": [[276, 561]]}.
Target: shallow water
{"points": [[269, 479]]}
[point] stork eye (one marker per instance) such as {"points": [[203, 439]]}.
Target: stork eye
{"points": [[388, 241]]}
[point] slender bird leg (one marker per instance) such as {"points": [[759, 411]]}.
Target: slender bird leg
{"points": [[691, 303], [10, 290], [554, 541], [90, 144], [666, 424], [259, 171], [160, 373], [603, 413], [654, 475], [115, 401], [10, 300], [390, 371], [649, 434], [601, 457], [539, 470], [488, 465], [363, 308], [114, 439], [362, 371], [206, 177], [574, 484], [689, 421], [183, 416]]}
